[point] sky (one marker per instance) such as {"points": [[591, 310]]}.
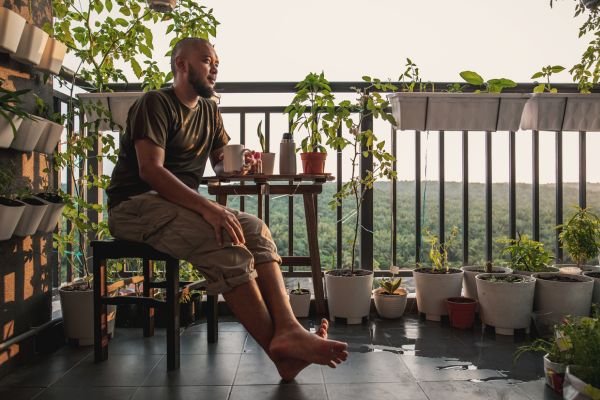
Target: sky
{"points": [[269, 40]]}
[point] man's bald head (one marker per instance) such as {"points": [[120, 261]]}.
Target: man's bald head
{"points": [[183, 47]]}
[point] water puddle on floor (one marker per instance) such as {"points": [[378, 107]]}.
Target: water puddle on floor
{"points": [[458, 367]]}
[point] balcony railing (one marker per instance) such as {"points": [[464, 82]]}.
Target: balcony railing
{"points": [[420, 187]]}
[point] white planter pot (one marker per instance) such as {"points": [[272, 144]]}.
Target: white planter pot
{"points": [[53, 56], [462, 111], [576, 389], [32, 45], [28, 134], [10, 214], [596, 293], [555, 374], [409, 110], [7, 135], [11, 29], [268, 163], [562, 111], [300, 304], [78, 315], [49, 138], [511, 109], [434, 289], [504, 305], [31, 218], [349, 296], [52, 214], [117, 103], [390, 305], [471, 271], [563, 298]]}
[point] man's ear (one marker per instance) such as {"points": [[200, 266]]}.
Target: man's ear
{"points": [[181, 64]]}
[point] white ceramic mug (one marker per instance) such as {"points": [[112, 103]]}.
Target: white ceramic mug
{"points": [[234, 158]]}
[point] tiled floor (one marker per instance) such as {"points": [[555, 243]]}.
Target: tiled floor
{"points": [[403, 359]]}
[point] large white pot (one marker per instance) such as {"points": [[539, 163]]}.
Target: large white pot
{"points": [[7, 135], [53, 56], [434, 289], [32, 45], [11, 29], [78, 315], [10, 214], [563, 298], [300, 303], [53, 212], [49, 138], [462, 111], [506, 305], [390, 305], [117, 103], [29, 134], [471, 271], [596, 294], [409, 110], [31, 218], [349, 297]]}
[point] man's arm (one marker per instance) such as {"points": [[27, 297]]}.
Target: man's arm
{"points": [[151, 167], [216, 160]]}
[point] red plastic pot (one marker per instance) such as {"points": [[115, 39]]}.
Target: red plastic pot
{"points": [[461, 311]]}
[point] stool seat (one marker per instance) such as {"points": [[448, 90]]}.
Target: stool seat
{"points": [[103, 250]]}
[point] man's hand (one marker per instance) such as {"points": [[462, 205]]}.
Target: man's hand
{"points": [[220, 218]]}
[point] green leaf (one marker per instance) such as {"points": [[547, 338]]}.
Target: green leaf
{"points": [[537, 75], [557, 68], [539, 88], [472, 78]]}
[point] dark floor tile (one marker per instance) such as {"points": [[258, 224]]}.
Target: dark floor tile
{"points": [[258, 369], [19, 393], [46, 369], [287, 391], [138, 344], [445, 369], [183, 393], [224, 326], [229, 342], [538, 390], [87, 393], [461, 390], [368, 368], [196, 370], [387, 391], [118, 370]]}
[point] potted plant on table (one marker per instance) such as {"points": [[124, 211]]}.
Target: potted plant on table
{"points": [[349, 289], [267, 158], [390, 297], [313, 108], [439, 282], [300, 301]]}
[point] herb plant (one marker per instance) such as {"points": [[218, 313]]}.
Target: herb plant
{"points": [[580, 236], [490, 86], [390, 285], [438, 251], [526, 254], [546, 73]]}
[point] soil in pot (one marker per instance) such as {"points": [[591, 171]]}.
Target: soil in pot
{"points": [[558, 278], [438, 271], [506, 278], [461, 311]]}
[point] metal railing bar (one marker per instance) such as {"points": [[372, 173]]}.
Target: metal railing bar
{"points": [[488, 196], [394, 221], [582, 170], [338, 209], [442, 187], [267, 145], [242, 141], [512, 186], [465, 195], [418, 201], [558, 251], [535, 184]]}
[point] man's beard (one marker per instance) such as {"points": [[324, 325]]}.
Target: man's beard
{"points": [[202, 90]]}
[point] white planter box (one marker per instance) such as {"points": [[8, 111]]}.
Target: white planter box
{"points": [[409, 110], [49, 138], [471, 271], [563, 298], [6, 131], [349, 296], [11, 29], [31, 46], [52, 214], [434, 289], [462, 111], [53, 56], [31, 218], [562, 112], [10, 214], [504, 305], [511, 110], [29, 133], [117, 103]]}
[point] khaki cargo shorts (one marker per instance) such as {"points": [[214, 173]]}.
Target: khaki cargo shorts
{"points": [[184, 234]]}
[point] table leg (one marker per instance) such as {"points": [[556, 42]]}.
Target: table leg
{"points": [[313, 251], [222, 199]]}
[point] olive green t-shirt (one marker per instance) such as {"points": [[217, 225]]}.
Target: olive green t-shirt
{"points": [[188, 136]]}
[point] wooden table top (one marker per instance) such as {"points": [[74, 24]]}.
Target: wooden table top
{"points": [[261, 178]]}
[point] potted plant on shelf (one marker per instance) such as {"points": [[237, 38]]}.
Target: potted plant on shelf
{"points": [[267, 159], [55, 126], [389, 297], [437, 283], [10, 210], [11, 29], [32, 43], [526, 256], [409, 105], [11, 114], [349, 289], [580, 238], [300, 301], [313, 108], [34, 208]]}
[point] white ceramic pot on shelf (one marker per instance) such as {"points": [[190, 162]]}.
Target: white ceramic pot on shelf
{"points": [[7, 135], [29, 134], [49, 138], [10, 214], [53, 56], [32, 45], [31, 217], [11, 30]]}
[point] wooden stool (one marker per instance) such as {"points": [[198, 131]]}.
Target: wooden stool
{"points": [[104, 250]]}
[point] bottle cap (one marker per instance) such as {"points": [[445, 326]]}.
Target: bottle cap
{"points": [[287, 136]]}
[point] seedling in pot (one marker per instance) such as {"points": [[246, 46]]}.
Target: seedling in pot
{"points": [[546, 72], [490, 86]]}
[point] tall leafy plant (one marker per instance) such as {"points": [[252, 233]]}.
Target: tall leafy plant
{"points": [[526, 254], [580, 235], [363, 143]]}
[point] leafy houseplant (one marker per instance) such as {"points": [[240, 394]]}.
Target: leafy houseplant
{"points": [[389, 297], [526, 255], [546, 73], [580, 236], [267, 158]]}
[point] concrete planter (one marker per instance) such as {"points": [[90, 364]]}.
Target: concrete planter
{"points": [[462, 111], [11, 29], [561, 298], [31, 217], [300, 303], [10, 214], [409, 110], [349, 297], [53, 212], [505, 305], [7, 135], [390, 305], [97, 105], [562, 111], [471, 271], [434, 289], [32, 45], [511, 109], [595, 275]]}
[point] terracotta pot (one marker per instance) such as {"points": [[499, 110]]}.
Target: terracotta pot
{"points": [[461, 311], [313, 163]]}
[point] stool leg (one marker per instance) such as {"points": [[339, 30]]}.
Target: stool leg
{"points": [[100, 319], [148, 312], [172, 274], [212, 318]]}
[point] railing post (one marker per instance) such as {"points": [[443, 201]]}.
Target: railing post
{"points": [[582, 170], [535, 184], [559, 194], [465, 195], [366, 213]]}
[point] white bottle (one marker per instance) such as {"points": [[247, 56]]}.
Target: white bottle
{"points": [[287, 155]]}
